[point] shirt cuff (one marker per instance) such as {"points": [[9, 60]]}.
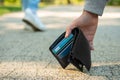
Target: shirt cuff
{"points": [[95, 6]]}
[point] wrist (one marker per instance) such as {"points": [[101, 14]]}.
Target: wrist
{"points": [[90, 14]]}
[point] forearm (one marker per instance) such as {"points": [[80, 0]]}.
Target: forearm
{"points": [[95, 6]]}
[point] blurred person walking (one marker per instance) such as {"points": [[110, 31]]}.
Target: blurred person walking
{"points": [[31, 18]]}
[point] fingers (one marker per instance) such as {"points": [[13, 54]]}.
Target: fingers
{"points": [[91, 45], [70, 28], [68, 32]]}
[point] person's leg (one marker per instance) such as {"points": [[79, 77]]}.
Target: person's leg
{"points": [[24, 4], [33, 5]]}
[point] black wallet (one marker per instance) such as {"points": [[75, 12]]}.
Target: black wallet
{"points": [[74, 49]]}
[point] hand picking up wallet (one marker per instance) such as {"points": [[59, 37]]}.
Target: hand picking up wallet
{"points": [[74, 49]]}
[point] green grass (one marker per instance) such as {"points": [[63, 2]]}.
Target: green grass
{"points": [[8, 9], [14, 8], [10, 6]]}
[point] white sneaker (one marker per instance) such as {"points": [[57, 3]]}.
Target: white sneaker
{"points": [[33, 20]]}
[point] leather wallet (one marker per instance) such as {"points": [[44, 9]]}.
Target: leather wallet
{"points": [[73, 49]]}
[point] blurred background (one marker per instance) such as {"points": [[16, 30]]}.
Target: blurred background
{"points": [[7, 6]]}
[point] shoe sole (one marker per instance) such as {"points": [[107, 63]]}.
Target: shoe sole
{"points": [[31, 25]]}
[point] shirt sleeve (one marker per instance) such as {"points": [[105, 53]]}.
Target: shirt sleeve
{"points": [[95, 6]]}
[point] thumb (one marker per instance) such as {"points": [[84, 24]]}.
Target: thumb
{"points": [[70, 28], [68, 32]]}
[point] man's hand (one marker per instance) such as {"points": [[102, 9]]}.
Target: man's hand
{"points": [[87, 22]]}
